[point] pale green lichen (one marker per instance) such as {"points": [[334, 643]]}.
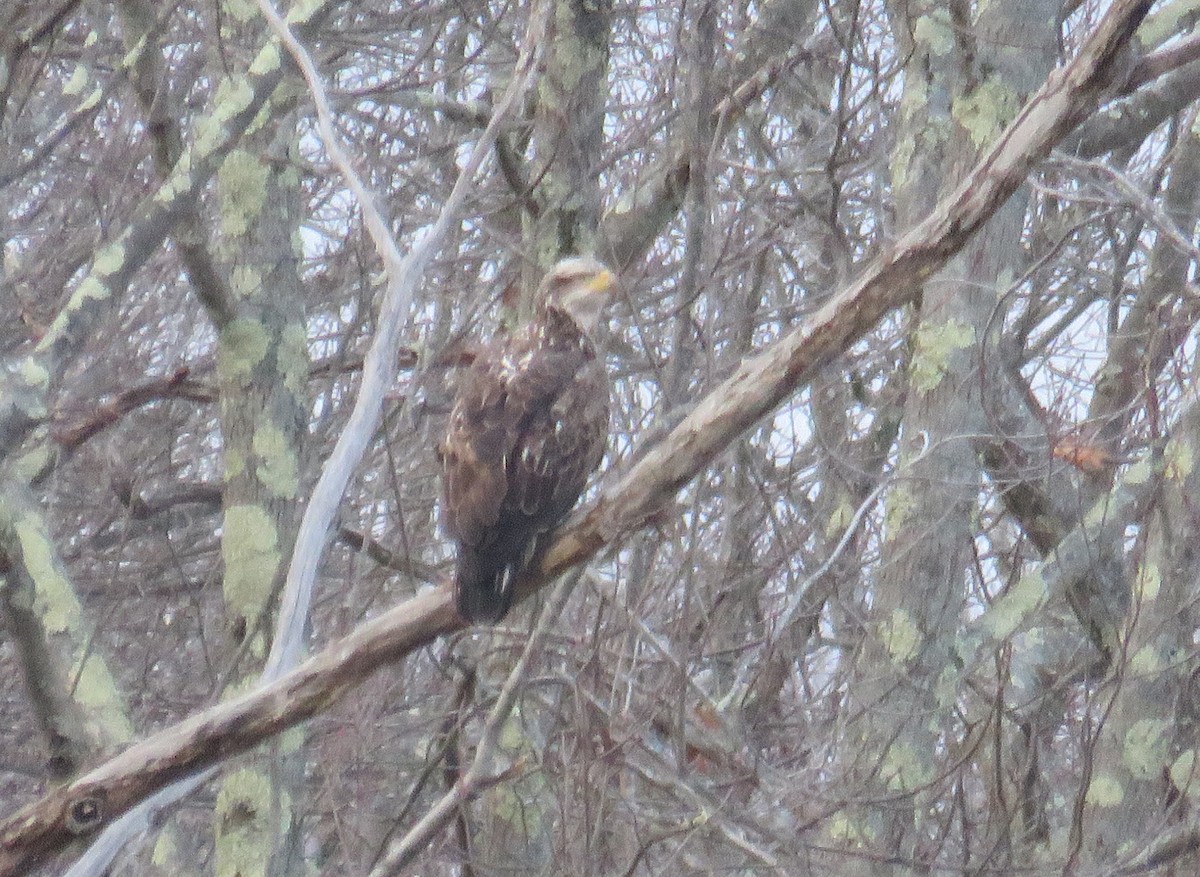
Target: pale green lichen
{"points": [[244, 804], [57, 327], [1148, 582], [178, 183], [510, 802], [291, 740], [109, 260], [34, 373], [244, 785], [967, 643], [1139, 472], [935, 31], [242, 184], [936, 345], [1146, 661], [238, 687], [574, 59], [240, 10], [1165, 23], [287, 90], [512, 808], [1147, 743], [245, 280], [899, 507], [243, 344], [624, 205], [250, 548], [77, 82], [902, 157], [266, 60], [921, 135], [302, 10], [1008, 613], [1182, 769], [235, 464], [901, 636], [512, 737], [293, 359], [1105, 790], [232, 97], [839, 519], [93, 99], [278, 467], [165, 852], [914, 104], [945, 690], [96, 690], [92, 287], [31, 464], [843, 829], [54, 600], [1033, 639], [986, 110], [289, 178], [130, 58], [1179, 460], [904, 769]]}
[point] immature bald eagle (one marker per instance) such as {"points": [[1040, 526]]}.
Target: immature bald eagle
{"points": [[529, 425]]}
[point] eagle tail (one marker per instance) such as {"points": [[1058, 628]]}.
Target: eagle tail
{"points": [[483, 591]]}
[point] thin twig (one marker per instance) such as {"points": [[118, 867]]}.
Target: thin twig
{"points": [[478, 775]]}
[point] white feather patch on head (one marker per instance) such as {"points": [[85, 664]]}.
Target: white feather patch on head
{"points": [[581, 286]]}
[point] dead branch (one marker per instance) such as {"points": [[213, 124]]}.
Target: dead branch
{"points": [[111, 411]]}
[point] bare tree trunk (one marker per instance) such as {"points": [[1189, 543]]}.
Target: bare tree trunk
{"points": [[1144, 759], [262, 359], [960, 87]]}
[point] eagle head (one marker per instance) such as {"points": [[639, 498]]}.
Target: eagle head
{"points": [[579, 286]]}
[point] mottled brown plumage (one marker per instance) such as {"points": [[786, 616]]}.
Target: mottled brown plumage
{"points": [[528, 427]]}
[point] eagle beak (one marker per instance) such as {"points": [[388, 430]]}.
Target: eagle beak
{"points": [[602, 282]]}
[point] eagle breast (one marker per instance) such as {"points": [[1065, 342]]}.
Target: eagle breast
{"points": [[528, 427]]}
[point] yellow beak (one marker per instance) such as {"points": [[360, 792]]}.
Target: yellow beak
{"points": [[601, 282]]}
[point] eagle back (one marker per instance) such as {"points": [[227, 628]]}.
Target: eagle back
{"points": [[529, 425]]}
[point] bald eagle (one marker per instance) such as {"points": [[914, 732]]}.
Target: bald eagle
{"points": [[528, 426]]}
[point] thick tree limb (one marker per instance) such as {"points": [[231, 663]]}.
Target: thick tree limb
{"points": [[755, 388], [29, 562], [1125, 123], [217, 733]]}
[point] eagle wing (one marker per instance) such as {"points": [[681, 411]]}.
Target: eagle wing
{"points": [[528, 427]]}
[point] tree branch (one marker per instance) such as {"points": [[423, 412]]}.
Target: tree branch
{"points": [[476, 780], [111, 411]]}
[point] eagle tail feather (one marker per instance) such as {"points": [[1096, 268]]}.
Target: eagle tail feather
{"points": [[483, 591]]}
